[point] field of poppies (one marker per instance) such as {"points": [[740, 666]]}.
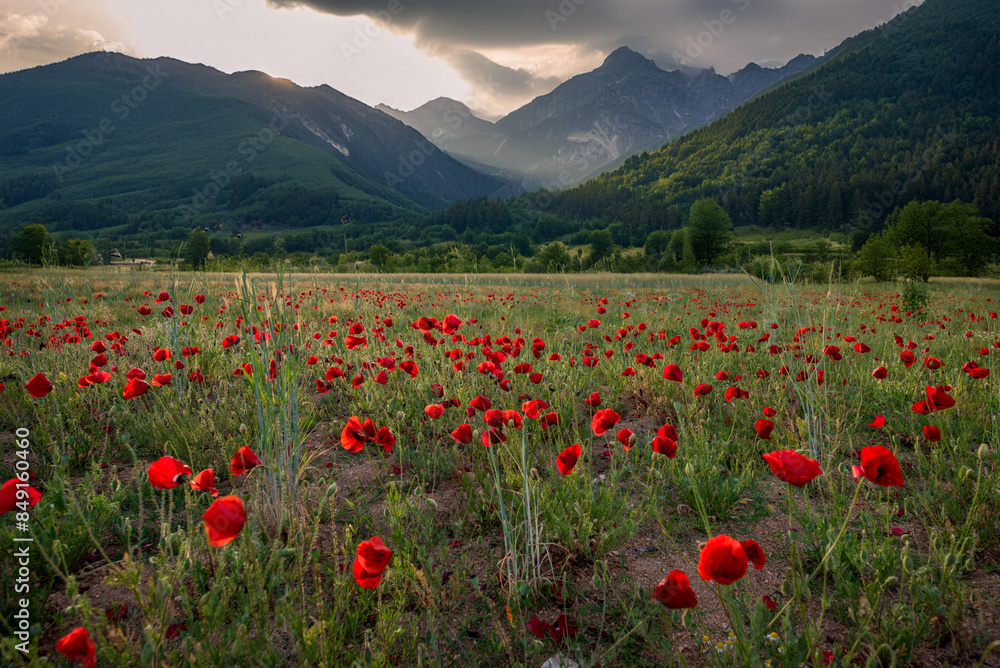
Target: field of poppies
{"points": [[212, 469]]}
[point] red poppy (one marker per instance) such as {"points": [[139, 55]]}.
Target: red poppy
{"points": [[494, 417], [736, 393], [769, 412], [764, 429], [908, 358], [161, 379], [723, 560], [167, 472], [493, 437], [78, 647], [385, 438], [230, 341], [921, 408], [880, 373], [594, 400], [791, 467], [164, 297], [550, 419], [462, 433], [14, 492], [755, 554], [938, 399], [481, 403], [38, 386], [352, 438], [861, 348], [434, 411], [879, 465], [933, 363], [932, 433], [205, 482], [372, 558], [665, 446], [512, 418], [567, 459], [162, 354], [603, 420], [244, 460], [134, 388], [135, 373], [702, 389], [626, 437], [978, 373], [673, 372], [675, 591], [878, 422], [224, 520], [667, 431]]}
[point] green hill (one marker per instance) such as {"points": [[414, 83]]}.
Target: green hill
{"points": [[907, 111]]}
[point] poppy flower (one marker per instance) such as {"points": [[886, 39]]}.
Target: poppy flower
{"points": [[755, 554], [493, 437], [908, 358], [167, 472], [667, 431], [878, 422], [879, 465], [880, 373], [370, 561], [14, 492], [769, 412], [136, 387], [462, 434], [603, 420], [161, 379], [921, 408], [933, 363], [494, 417], [205, 482], [702, 389], [978, 373], [244, 460], [675, 591], [594, 400], [932, 433], [563, 626], [626, 437], [224, 520], [791, 467], [481, 403], [567, 459], [162, 354], [722, 560], [512, 418], [230, 341], [665, 446], [550, 419], [434, 411], [78, 647], [764, 429], [736, 393], [938, 399], [673, 372], [135, 373], [385, 438], [38, 386], [352, 437]]}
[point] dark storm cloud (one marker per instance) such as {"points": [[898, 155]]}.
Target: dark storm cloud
{"points": [[725, 34]]}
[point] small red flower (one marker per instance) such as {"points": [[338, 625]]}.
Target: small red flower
{"points": [[791, 467], [702, 389], [14, 492], [878, 422], [754, 553], [38, 387], [205, 482], [224, 520], [764, 429], [603, 420], [627, 438], [594, 400], [879, 465], [665, 446], [244, 460], [880, 373], [352, 438], [371, 560], [673, 372], [932, 433], [723, 560], [567, 459], [77, 646], [675, 591], [135, 387], [434, 411], [167, 472], [462, 433]]}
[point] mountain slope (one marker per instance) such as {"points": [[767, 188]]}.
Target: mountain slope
{"points": [[902, 112], [172, 139], [594, 120]]}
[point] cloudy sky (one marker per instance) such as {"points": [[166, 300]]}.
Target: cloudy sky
{"points": [[493, 54]]}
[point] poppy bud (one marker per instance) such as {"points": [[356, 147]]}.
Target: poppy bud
{"points": [[400, 415], [983, 451]]}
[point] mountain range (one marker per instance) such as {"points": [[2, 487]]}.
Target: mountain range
{"points": [[593, 121]]}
